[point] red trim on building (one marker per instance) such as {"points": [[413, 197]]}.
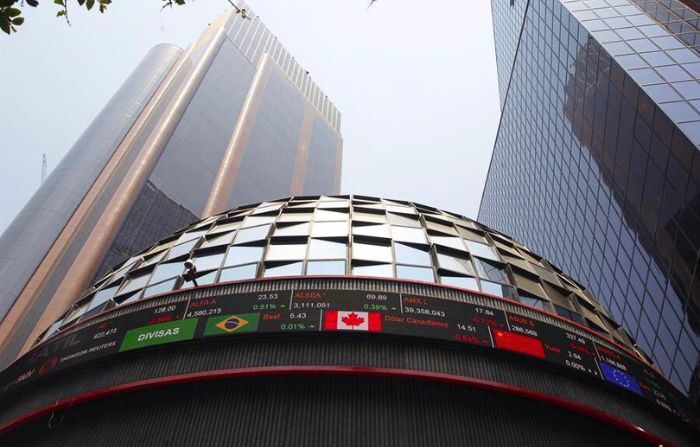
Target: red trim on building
{"points": [[306, 370]]}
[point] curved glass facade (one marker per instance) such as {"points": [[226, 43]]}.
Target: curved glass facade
{"points": [[345, 235]]}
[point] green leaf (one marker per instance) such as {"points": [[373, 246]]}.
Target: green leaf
{"points": [[58, 2], [90, 4], [81, 2], [61, 13], [5, 24], [6, 3], [12, 12], [32, 3], [18, 21]]}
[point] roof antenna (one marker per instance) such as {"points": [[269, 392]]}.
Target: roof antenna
{"points": [[43, 167]]}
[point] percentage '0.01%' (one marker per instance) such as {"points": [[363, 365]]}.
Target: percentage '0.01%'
{"points": [[265, 306]]}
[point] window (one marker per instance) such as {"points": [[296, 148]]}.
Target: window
{"points": [[254, 221], [410, 255], [568, 314], [182, 249], [330, 229], [330, 215], [490, 271], [531, 300], [333, 203], [501, 290], [208, 261], [252, 234], [322, 249], [481, 250], [400, 209], [243, 255], [154, 258], [371, 252], [463, 282], [447, 241], [77, 310], [238, 273], [384, 270], [291, 269], [134, 284], [415, 273], [267, 208], [165, 286], [217, 240], [368, 217], [166, 271], [455, 264], [285, 252], [206, 278], [189, 236], [301, 229], [102, 297], [325, 268], [225, 227], [294, 217], [372, 230], [396, 219], [403, 234]]}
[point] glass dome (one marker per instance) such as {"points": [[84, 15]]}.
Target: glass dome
{"points": [[339, 236]]}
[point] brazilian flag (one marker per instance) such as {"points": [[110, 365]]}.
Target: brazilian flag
{"points": [[232, 324]]}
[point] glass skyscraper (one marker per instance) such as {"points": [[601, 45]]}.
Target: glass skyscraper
{"points": [[596, 163], [233, 119]]}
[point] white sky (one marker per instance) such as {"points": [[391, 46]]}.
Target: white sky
{"points": [[415, 82]]}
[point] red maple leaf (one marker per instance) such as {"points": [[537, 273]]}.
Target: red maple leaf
{"points": [[352, 319]]}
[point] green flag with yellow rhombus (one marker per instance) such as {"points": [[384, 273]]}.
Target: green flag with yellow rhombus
{"points": [[232, 324]]}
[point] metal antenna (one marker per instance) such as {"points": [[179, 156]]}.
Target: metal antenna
{"points": [[43, 167]]}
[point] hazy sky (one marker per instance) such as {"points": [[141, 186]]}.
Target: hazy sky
{"points": [[415, 82]]}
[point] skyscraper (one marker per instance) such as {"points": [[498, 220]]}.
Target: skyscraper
{"points": [[338, 320], [232, 119], [596, 163]]}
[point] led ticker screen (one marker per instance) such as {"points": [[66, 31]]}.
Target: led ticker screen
{"points": [[347, 311]]}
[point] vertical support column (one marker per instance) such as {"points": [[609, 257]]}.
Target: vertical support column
{"points": [[299, 174], [88, 260], [220, 193]]}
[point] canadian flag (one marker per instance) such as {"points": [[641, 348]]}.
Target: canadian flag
{"points": [[339, 320]]}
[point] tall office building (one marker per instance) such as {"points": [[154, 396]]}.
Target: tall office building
{"points": [[233, 119], [338, 320], [596, 164]]}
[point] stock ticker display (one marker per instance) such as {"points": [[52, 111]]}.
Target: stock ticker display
{"points": [[349, 310]]}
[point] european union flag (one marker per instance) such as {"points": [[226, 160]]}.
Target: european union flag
{"points": [[619, 377]]}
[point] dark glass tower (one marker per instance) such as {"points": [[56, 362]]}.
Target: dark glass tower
{"points": [[232, 119], [596, 163]]}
